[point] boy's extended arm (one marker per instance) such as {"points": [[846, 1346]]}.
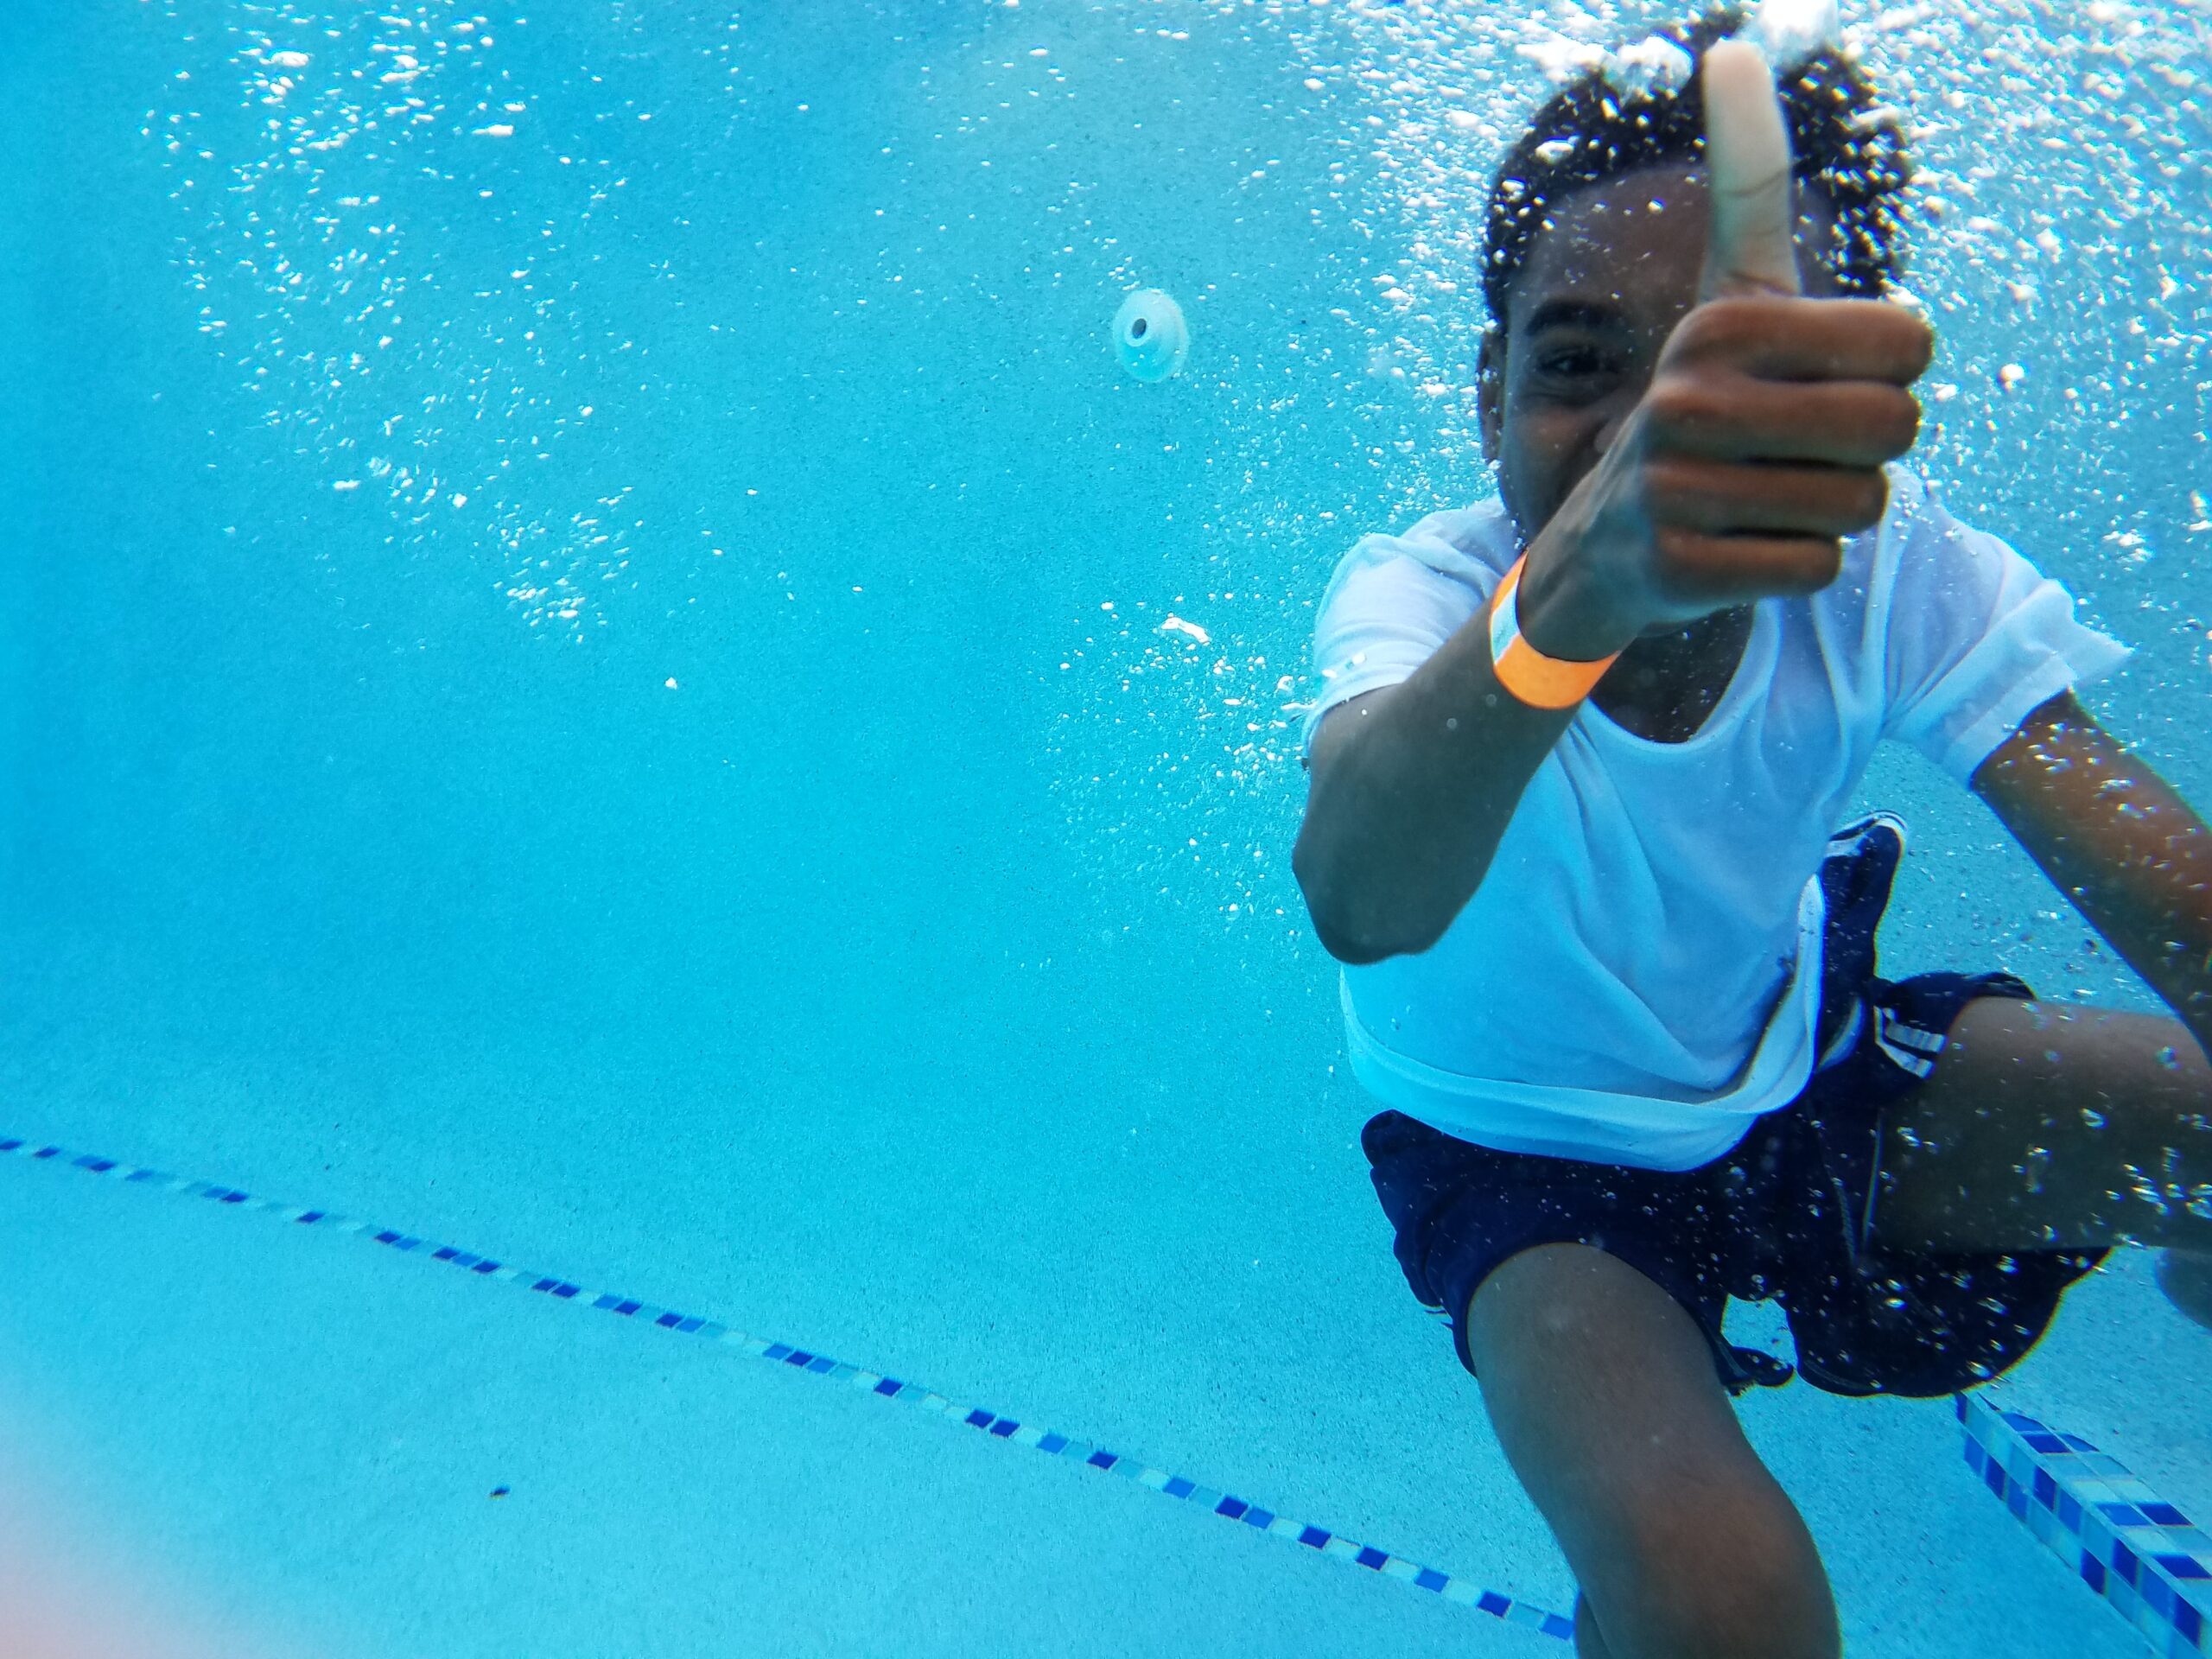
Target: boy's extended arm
{"points": [[2130, 852], [1412, 787]]}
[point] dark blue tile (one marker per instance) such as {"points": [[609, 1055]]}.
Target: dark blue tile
{"points": [[1371, 1557], [2045, 1443], [626, 1308], [889, 1385], [1004, 1427], [1312, 1537], [487, 1265], [48, 1152], [98, 1165], [1977, 1459], [979, 1418], [565, 1290], [389, 1237], [444, 1253], [2070, 1512], [1993, 1476], [1234, 1508], [799, 1358], [2124, 1563], [10, 1145], [1429, 1578], [1103, 1459], [1178, 1487], [1493, 1604], [236, 1197], [2183, 1566], [545, 1284], [308, 1218], [2190, 1622], [669, 1321], [2165, 1514], [2093, 1573], [2046, 1490]]}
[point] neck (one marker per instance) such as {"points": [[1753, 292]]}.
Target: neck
{"points": [[1665, 684]]}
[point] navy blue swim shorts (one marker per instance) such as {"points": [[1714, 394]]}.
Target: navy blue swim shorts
{"points": [[1784, 1215]]}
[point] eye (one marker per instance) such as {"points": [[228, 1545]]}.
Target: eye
{"points": [[1569, 362]]}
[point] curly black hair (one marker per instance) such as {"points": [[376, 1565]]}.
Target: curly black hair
{"points": [[1842, 139]]}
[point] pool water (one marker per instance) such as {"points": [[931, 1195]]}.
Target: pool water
{"points": [[606, 671]]}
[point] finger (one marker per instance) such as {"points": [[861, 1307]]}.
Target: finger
{"points": [[1697, 573], [1717, 498], [1784, 338], [1737, 418], [1752, 247]]}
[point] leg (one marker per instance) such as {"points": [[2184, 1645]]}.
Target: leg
{"points": [[1603, 1392], [2052, 1128]]}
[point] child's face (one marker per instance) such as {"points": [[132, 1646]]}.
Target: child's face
{"points": [[1614, 269]]}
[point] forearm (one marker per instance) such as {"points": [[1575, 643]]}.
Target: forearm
{"points": [[1412, 790], [2120, 842]]}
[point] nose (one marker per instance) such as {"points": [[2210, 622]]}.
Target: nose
{"points": [[1614, 423]]}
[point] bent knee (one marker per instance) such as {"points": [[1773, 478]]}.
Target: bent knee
{"points": [[1715, 1574]]}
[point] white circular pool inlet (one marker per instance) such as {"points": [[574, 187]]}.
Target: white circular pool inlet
{"points": [[1150, 336]]}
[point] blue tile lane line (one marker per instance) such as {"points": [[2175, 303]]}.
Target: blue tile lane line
{"points": [[2139, 1554], [1237, 1509]]}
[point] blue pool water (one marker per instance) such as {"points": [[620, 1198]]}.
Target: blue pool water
{"points": [[589, 680]]}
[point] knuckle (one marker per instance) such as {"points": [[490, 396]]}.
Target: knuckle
{"points": [[1682, 564], [1870, 499], [1680, 405], [1904, 424]]}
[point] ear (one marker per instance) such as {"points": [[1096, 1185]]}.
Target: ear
{"points": [[1490, 393]]}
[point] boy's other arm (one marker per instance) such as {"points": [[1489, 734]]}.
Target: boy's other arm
{"points": [[1412, 787], [2120, 842]]}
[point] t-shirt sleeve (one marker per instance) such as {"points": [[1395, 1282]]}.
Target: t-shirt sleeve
{"points": [[1387, 611], [1977, 638]]}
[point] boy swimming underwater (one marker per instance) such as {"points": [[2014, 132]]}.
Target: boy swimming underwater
{"points": [[1610, 966]]}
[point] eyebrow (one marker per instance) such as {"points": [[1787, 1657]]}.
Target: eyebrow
{"points": [[1565, 313]]}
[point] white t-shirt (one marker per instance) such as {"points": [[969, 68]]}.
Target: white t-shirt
{"points": [[1638, 975]]}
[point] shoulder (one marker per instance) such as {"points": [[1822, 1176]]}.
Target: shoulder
{"points": [[1469, 548], [1917, 553]]}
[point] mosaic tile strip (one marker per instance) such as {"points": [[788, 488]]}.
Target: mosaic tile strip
{"points": [[2138, 1553], [1049, 1442]]}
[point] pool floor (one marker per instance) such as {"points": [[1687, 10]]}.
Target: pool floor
{"points": [[309, 1431]]}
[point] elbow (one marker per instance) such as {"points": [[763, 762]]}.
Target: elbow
{"points": [[1348, 930], [1353, 950]]}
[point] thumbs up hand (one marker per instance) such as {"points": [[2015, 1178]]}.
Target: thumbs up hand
{"points": [[1760, 441]]}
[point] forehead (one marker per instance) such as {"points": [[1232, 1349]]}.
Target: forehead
{"points": [[1640, 234], [1637, 242]]}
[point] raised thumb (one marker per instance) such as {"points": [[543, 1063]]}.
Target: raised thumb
{"points": [[1752, 248]]}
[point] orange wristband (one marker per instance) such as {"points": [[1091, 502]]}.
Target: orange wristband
{"points": [[1541, 681]]}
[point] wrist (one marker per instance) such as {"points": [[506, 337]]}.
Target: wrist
{"points": [[1564, 614]]}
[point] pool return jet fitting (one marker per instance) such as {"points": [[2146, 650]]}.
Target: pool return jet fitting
{"points": [[1150, 336]]}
